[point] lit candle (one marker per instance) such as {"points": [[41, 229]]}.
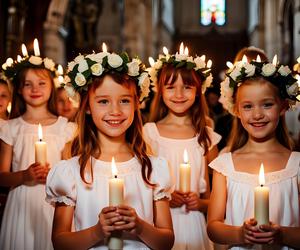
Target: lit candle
{"points": [[24, 50], [40, 148], [186, 51], [209, 63], [229, 64], [36, 47], [19, 58], [104, 48], [244, 59], [151, 61], [165, 50], [181, 49], [185, 174], [258, 59], [274, 61], [261, 200], [116, 197]]}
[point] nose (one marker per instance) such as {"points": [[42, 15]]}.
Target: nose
{"points": [[115, 109], [258, 113], [179, 91]]}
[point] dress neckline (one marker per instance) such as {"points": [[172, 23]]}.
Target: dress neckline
{"points": [[36, 125]]}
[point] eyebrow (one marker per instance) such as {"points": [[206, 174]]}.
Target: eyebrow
{"points": [[105, 96]]}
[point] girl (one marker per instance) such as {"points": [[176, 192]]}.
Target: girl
{"points": [[257, 94], [179, 115], [64, 105], [27, 219], [5, 97], [110, 126]]}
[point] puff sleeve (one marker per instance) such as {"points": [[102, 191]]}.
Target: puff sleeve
{"points": [[214, 137], [220, 164], [6, 133], [163, 177], [61, 183]]}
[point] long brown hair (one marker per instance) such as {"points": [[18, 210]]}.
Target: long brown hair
{"points": [[198, 111], [18, 104], [239, 136], [86, 143]]}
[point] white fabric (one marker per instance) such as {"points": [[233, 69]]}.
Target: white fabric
{"points": [[27, 218], [64, 184], [189, 228], [2, 122], [283, 196]]}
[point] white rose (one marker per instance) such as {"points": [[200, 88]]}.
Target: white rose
{"points": [[199, 63], [97, 57], [49, 64], [180, 57], [83, 66], [97, 69], [235, 73], [70, 90], [79, 58], [133, 68], [207, 83], [114, 60], [190, 59], [67, 79], [158, 64], [284, 70], [268, 69], [144, 83], [71, 65], [36, 60], [293, 89], [249, 69], [80, 79]]}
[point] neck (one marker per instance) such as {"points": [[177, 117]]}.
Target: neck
{"points": [[255, 146], [36, 113], [179, 119]]}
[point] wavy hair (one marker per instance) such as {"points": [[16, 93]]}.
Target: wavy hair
{"points": [[198, 111], [18, 104], [86, 143]]}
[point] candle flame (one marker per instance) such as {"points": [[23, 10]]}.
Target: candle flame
{"points": [[19, 58], [185, 156], [8, 108], [258, 58], [36, 47], [244, 59], [229, 64], [24, 50], [60, 79], [298, 59], [186, 51], [261, 177], [104, 47], [274, 62], [165, 50], [60, 70], [151, 61], [114, 170], [209, 63], [203, 57], [181, 48], [40, 132], [9, 61]]}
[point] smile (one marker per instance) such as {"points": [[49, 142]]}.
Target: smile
{"points": [[259, 124], [114, 122]]}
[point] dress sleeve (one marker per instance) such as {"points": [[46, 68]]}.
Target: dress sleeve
{"points": [[6, 133], [67, 132], [163, 177], [221, 164], [214, 137], [60, 185], [149, 134]]}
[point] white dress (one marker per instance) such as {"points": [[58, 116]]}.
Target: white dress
{"points": [[27, 218], [64, 184], [283, 194], [189, 228]]}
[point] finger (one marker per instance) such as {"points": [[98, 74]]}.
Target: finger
{"points": [[108, 209]]}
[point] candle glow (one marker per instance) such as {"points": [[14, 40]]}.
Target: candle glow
{"points": [[244, 59], [229, 64], [165, 50], [258, 58], [36, 47], [104, 47], [209, 64], [186, 51], [181, 48], [151, 61], [274, 62], [24, 50]]}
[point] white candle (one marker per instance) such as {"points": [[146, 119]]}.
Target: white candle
{"points": [[24, 50], [261, 200], [116, 197], [185, 174], [36, 48], [41, 148]]}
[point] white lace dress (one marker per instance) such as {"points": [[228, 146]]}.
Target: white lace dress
{"points": [[27, 218], [283, 194], [189, 228], [64, 184]]}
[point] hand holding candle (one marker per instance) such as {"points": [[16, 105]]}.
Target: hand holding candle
{"points": [[41, 148], [185, 174], [261, 200]]}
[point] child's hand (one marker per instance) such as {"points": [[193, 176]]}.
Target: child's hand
{"points": [[271, 231], [131, 219], [192, 201], [248, 229], [178, 199], [107, 218], [36, 174]]}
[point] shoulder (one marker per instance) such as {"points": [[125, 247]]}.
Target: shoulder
{"points": [[149, 126], [221, 163]]}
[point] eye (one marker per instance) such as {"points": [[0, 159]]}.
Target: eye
{"points": [[125, 100], [103, 101], [169, 86], [27, 84], [247, 106], [268, 105], [42, 83], [188, 86]]}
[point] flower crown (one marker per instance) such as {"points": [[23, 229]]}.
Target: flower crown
{"points": [[181, 60], [12, 68], [279, 75], [84, 68]]}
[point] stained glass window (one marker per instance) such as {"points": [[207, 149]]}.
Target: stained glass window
{"points": [[212, 12]]}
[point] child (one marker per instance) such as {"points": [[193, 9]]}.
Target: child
{"points": [[179, 122], [257, 93], [5, 98], [64, 105], [27, 219], [110, 126]]}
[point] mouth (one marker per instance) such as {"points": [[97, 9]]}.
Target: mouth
{"points": [[114, 123], [179, 102], [35, 96], [258, 124]]}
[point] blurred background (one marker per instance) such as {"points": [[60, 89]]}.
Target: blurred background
{"points": [[216, 28]]}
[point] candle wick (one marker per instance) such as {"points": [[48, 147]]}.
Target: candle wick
{"points": [[40, 140], [116, 176], [261, 185]]}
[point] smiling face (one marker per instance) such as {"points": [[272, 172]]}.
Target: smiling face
{"points": [[64, 105], [259, 108], [178, 96], [112, 107], [37, 87]]}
